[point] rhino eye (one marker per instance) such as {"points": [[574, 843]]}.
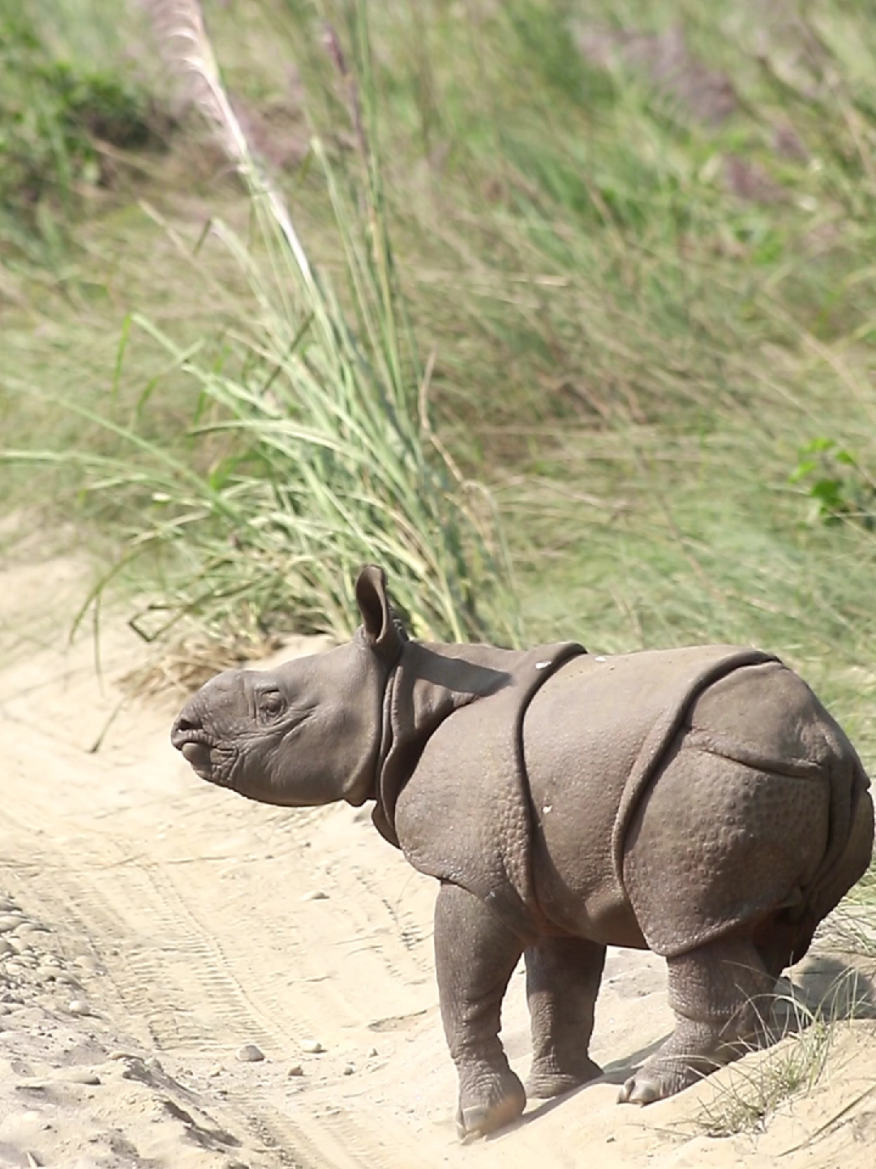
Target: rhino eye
{"points": [[270, 703]]}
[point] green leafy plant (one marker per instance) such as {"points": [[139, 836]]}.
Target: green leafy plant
{"points": [[835, 482]]}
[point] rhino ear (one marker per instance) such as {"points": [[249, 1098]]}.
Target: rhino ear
{"points": [[382, 630]]}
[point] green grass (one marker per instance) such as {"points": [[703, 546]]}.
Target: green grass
{"points": [[634, 356], [77, 91]]}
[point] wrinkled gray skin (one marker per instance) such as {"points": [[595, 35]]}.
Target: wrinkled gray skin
{"points": [[310, 732]]}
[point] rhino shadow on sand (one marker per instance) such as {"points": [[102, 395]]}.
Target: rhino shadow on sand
{"points": [[699, 802]]}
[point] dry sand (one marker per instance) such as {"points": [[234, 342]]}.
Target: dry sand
{"points": [[151, 927]]}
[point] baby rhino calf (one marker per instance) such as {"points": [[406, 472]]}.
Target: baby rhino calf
{"points": [[699, 802]]}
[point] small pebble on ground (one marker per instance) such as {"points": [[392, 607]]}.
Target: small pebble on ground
{"points": [[249, 1053]]}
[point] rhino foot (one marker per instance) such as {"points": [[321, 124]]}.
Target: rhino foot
{"points": [[545, 1081], [500, 1101], [646, 1087], [692, 1052], [717, 993], [635, 1091]]}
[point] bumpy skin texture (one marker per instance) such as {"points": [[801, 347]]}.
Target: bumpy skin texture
{"points": [[700, 802]]}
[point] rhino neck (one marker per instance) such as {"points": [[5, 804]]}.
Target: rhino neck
{"points": [[429, 683]]}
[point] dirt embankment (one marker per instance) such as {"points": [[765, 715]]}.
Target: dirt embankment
{"points": [[157, 937]]}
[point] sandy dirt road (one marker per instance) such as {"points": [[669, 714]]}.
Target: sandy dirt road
{"points": [[155, 926]]}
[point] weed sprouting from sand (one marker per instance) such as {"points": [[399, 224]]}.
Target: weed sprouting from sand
{"points": [[851, 928], [749, 1093]]}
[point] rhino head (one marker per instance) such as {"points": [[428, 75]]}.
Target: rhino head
{"points": [[307, 732]]}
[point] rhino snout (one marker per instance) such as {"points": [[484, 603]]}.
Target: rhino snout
{"points": [[187, 729], [198, 748], [188, 736]]}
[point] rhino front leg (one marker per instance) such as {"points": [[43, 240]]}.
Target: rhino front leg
{"points": [[475, 955], [717, 993], [562, 981]]}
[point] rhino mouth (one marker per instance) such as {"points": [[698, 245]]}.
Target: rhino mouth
{"points": [[208, 760], [198, 755]]}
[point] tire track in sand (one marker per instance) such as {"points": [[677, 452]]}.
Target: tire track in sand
{"points": [[171, 943]]}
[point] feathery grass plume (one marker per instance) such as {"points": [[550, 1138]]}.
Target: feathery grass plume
{"points": [[319, 450], [183, 36]]}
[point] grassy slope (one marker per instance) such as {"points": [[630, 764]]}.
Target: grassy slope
{"points": [[650, 394], [629, 351]]}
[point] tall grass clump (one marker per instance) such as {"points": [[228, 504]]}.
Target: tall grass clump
{"points": [[310, 449]]}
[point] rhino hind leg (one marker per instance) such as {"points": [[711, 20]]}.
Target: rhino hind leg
{"points": [[718, 994], [562, 981], [475, 956]]}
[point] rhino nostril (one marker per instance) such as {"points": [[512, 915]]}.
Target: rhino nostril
{"points": [[187, 724]]}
